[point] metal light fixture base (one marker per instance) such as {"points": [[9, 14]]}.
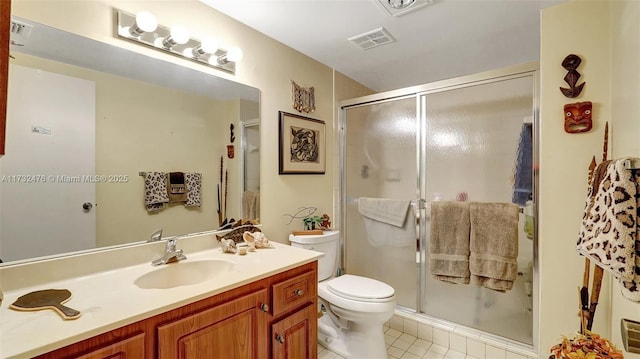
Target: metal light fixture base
{"points": [[126, 20]]}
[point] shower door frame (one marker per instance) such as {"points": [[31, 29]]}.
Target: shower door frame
{"points": [[419, 93]]}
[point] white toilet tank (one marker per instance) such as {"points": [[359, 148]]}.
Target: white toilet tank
{"points": [[327, 243]]}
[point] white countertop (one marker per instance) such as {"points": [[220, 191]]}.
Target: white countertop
{"points": [[109, 299]]}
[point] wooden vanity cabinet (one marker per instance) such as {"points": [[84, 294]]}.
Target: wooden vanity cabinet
{"points": [[275, 317]]}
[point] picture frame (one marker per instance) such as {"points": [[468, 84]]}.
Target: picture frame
{"points": [[302, 145]]}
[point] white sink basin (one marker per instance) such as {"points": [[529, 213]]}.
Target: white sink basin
{"points": [[184, 273]]}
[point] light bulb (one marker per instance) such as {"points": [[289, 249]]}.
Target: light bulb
{"points": [[146, 21], [179, 34], [209, 45], [189, 52], [234, 54]]}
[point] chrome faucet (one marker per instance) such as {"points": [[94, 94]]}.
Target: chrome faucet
{"points": [[171, 254]]}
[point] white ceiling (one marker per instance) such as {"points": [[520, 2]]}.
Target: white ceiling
{"points": [[445, 39]]}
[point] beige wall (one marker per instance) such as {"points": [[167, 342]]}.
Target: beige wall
{"points": [[625, 111], [267, 65], [564, 160]]}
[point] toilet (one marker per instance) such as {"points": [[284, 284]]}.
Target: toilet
{"points": [[354, 308]]}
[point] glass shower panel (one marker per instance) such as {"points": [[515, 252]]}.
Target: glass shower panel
{"points": [[472, 140], [380, 162]]}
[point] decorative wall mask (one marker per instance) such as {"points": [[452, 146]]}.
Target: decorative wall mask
{"points": [[577, 117], [571, 63], [232, 136], [303, 98]]}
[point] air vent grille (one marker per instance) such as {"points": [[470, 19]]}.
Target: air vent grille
{"points": [[373, 38], [630, 335]]}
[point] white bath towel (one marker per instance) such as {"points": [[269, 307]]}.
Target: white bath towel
{"points": [[388, 222]]}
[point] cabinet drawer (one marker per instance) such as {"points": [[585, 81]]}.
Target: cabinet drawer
{"points": [[293, 292]]}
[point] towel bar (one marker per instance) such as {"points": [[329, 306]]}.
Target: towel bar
{"points": [[632, 163]]}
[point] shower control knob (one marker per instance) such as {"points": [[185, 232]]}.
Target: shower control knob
{"points": [[264, 307], [279, 338], [298, 292]]}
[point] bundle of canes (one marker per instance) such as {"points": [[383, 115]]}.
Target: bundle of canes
{"points": [[588, 305]]}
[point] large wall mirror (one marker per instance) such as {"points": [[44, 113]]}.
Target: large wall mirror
{"points": [[86, 120]]}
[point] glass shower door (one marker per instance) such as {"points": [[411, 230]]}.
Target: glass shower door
{"points": [[472, 139], [380, 161]]}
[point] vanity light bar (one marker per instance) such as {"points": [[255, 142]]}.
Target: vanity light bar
{"points": [[177, 41]]}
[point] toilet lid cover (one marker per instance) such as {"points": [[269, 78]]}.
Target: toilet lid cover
{"points": [[360, 288]]}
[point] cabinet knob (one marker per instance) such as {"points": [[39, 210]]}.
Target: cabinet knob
{"points": [[279, 338], [298, 292], [264, 307]]}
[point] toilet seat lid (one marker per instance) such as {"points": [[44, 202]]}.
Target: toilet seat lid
{"points": [[360, 288]]}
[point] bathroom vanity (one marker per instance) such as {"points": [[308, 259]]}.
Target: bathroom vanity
{"points": [[261, 305]]}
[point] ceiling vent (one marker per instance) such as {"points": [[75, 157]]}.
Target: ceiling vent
{"points": [[373, 38], [417, 4]]}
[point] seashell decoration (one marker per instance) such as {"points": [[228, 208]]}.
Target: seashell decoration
{"points": [[236, 234], [228, 246], [258, 239]]}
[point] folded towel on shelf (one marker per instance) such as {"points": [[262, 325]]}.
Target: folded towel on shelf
{"points": [[609, 231], [155, 191], [251, 204], [193, 182], [449, 242], [176, 187], [388, 222], [523, 177], [493, 244]]}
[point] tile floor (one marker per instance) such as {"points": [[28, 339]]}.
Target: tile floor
{"points": [[404, 346]]}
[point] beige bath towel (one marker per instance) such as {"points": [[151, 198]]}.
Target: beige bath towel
{"points": [[176, 187], [388, 222], [493, 244], [155, 191], [251, 204], [449, 242]]}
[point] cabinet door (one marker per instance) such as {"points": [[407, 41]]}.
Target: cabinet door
{"points": [[234, 330], [294, 337], [131, 348]]}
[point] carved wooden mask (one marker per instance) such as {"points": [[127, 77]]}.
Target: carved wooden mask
{"points": [[577, 117]]}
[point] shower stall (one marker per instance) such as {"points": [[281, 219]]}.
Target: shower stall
{"points": [[453, 140]]}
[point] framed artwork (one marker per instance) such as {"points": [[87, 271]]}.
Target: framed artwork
{"points": [[301, 145]]}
